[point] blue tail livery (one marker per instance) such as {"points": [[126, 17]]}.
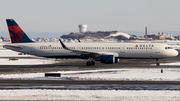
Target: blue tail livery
{"points": [[16, 33]]}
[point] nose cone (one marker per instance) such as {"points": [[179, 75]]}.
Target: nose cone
{"points": [[174, 53]]}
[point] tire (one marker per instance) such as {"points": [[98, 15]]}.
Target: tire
{"points": [[92, 63], [88, 63], [157, 64]]}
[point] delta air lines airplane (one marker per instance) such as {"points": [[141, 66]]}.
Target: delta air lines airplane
{"points": [[103, 52]]}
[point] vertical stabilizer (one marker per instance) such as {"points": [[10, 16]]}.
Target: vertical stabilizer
{"points": [[17, 35]]}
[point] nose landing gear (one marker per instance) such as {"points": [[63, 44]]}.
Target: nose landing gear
{"points": [[157, 62]]}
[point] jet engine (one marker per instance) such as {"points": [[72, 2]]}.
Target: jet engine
{"points": [[107, 59]]}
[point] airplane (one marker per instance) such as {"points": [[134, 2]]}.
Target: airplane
{"points": [[104, 52]]}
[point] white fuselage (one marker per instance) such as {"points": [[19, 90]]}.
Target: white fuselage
{"points": [[121, 50]]}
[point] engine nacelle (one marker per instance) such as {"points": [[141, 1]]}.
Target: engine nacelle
{"points": [[107, 59]]}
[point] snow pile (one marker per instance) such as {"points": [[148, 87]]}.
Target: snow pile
{"points": [[88, 95], [120, 33], [106, 74]]}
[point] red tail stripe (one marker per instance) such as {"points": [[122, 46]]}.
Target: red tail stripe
{"points": [[12, 37], [18, 31]]}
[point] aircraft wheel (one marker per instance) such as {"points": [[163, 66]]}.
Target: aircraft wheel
{"points": [[92, 63], [157, 64], [88, 63]]}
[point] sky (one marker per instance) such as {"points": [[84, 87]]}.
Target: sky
{"points": [[46, 18]]}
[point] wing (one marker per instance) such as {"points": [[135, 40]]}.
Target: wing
{"points": [[92, 54]]}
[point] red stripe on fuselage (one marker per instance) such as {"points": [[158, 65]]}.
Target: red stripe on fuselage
{"points": [[18, 31]]}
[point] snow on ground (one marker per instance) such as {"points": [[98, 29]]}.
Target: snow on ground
{"points": [[125, 74], [120, 33], [131, 74], [27, 61], [10, 54], [170, 74], [169, 64], [88, 95], [37, 76], [6, 52]]}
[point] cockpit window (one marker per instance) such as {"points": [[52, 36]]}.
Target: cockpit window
{"points": [[168, 48]]}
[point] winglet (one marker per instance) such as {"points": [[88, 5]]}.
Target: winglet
{"points": [[63, 45]]}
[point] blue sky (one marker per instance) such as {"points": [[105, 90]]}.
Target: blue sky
{"points": [[63, 16]]}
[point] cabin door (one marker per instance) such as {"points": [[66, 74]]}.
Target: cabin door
{"points": [[157, 49], [122, 49], [33, 49], [79, 47]]}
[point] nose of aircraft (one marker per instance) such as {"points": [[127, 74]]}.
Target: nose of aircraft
{"points": [[174, 53]]}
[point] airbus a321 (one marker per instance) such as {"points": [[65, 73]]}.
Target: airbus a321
{"points": [[103, 52]]}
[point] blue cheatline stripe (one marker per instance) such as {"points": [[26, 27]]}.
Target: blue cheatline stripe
{"points": [[11, 22], [14, 36], [25, 38]]}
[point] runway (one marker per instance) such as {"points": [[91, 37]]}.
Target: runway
{"points": [[89, 85], [58, 82], [79, 65], [116, 81], [74, 64]]}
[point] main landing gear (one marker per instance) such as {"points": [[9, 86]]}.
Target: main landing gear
{"points": [[90, 62], [157, 62]]}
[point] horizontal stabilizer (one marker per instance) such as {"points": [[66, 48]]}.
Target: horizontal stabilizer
{"points": [[12, 47]]}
